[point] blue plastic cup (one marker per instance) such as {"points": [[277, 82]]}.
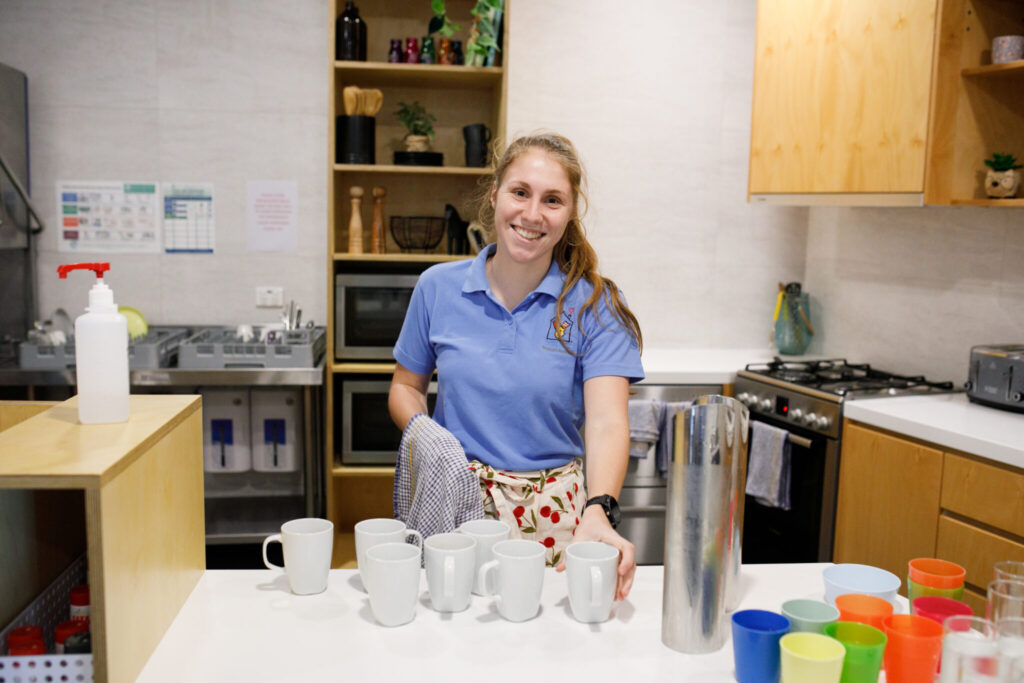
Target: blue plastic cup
{"points": [[755, 645]]}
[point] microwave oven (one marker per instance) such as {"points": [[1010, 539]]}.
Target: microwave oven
{"points": [[368, 436], [369, 310]]}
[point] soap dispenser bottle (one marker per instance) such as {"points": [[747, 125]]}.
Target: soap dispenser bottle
{"points": [[101, 353]]}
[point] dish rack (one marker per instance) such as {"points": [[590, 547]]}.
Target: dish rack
{"points": [[46, 611], [219, 348], [157, 349]]}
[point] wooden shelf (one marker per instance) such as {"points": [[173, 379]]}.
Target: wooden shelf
{"points": [[402, 258], [1001, 71], [343, 555], [422, 170], [373, 74], [1005, 203], [363, 471], [363, 368]]}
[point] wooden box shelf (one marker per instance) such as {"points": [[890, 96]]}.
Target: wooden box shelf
{"points": [[143, 513]]}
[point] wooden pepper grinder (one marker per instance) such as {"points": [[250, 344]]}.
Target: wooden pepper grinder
{"points": [[378, 243], [355, 221]]}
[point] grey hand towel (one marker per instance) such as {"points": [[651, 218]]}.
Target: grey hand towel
{"points": [[666, 442], [434, 490], [644, 425], [768, 471]]}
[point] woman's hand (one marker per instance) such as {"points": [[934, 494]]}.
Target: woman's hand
{"points": [[594, 526]]}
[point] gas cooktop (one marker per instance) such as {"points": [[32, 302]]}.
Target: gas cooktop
{"points": [[845, 380]]}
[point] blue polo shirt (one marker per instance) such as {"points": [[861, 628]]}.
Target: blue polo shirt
{"points": [[507, 388]]}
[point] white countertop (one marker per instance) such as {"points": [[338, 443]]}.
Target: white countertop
{"points": [[948, 420], [699, 366], [247, 626]]}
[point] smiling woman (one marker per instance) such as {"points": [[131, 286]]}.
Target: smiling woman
{"points": [[530, 344]]}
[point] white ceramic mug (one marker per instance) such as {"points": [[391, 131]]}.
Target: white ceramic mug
{"points": [[517, 575], [307, 544], [371, 532], [486, 532], [591, 569], [391, 574], [450, 561]]}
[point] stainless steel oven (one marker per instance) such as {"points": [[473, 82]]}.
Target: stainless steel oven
{"points": [[368, 314], [368, 436], [806, 399]]}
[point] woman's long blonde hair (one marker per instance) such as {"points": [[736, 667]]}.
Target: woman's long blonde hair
{"points": [[573, 253]]}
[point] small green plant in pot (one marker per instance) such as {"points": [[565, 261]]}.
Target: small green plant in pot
{"points": [[418, 123], [1003, 179]]}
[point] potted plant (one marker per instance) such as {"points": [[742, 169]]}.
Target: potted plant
{"points": [[1003, 179], [483, 34], [418, 123]]}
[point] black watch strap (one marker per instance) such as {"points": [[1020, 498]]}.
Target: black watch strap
{"points": [[610, 507]]}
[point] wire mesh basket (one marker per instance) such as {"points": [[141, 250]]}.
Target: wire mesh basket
{"points": [[417, 233]]}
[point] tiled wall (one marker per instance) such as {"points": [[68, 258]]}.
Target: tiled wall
{"points": [[657, 97], [911, 290], [190, 90]]}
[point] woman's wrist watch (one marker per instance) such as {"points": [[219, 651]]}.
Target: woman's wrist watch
{"points": [[610, 507]]}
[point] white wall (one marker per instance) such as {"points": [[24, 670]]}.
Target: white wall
{"points": [[657, 97], [911, 290], [220, 91]]}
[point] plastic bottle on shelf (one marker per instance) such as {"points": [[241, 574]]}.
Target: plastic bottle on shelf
{"points": [[412, 51], [427, 52], [22, 641], [101, 353], [65, 629], [395, 54], [79, 603]]}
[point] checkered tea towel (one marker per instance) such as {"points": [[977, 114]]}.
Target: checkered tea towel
{"points": [[434, 490]]}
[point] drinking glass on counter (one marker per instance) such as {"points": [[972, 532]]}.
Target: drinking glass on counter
{"points": [[931, 576], [864, 609], [864, 648], [969, 650], [810, 616], [1005, 599], [1008, 571], [913, 648], [811, 658], [755, 645], [1010, 635]]}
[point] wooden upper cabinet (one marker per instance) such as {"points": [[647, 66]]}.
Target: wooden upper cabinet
{"points": [[841, 96]]}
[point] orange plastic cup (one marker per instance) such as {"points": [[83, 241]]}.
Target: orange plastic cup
{"points": [[913, 648], [935, 573], [864, 609]]}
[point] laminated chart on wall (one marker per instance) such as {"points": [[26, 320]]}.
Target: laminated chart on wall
{"points": [[188, 218], [108, 216]]}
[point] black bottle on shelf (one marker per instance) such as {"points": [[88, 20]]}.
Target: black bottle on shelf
{"points": [[350, 35]]}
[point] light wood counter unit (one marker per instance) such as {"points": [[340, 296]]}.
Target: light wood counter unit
{"points": [[143, 489]]}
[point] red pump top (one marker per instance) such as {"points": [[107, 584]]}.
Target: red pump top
{"points": [[98, 268]]}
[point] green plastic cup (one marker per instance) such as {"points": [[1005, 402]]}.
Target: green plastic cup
{"points": [[864, 646], [916, 590]]}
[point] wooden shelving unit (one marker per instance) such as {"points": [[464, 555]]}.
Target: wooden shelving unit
{"points": [[412, 170], [977, 107], [457, 96]]}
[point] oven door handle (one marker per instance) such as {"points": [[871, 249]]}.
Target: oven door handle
{"points": [[799, 441], [640, 509]]}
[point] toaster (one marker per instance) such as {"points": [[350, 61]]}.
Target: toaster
{"points": [[996, 376]]}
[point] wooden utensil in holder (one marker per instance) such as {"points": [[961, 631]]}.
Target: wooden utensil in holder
{"points": [[378, 242], [355, 221]]}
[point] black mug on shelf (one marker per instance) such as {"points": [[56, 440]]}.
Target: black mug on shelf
{"points": [[477, 135], [355, 139]]}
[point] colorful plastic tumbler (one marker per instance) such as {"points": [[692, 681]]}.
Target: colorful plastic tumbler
{"points": [[913, 648], [864, 645]]}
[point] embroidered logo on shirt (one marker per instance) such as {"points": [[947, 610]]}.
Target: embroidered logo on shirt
{"points": [[562, 331]]}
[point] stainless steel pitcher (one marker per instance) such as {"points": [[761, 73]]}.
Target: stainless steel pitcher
{"points": [[703, 524]]}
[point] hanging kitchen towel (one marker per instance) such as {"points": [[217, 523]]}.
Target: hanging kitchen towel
{"points": [[666, 441], [644, 425], [768, 471], [434, 490]]}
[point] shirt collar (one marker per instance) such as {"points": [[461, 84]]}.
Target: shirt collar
{"points": [[476, 279]]}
